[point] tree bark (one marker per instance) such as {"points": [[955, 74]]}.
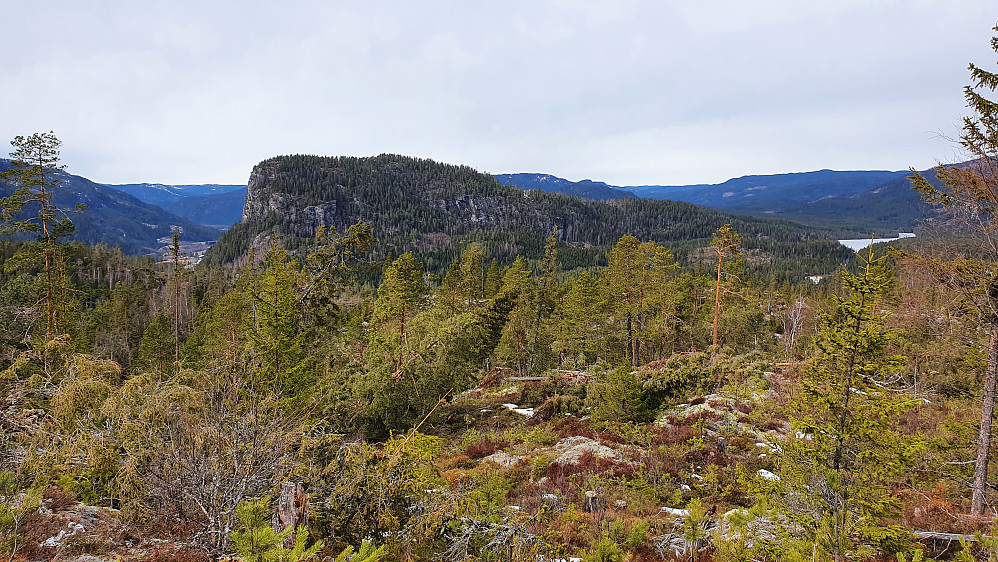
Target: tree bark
{"points": [[292, 510], [979, 499], [717, 299]]}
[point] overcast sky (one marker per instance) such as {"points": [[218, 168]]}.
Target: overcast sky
{"points": [[628, 92]]}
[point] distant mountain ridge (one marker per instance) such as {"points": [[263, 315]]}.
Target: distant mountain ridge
{"points": [[587, 189], [850, 202], [219, 210], [215, 205], [117, 218], [159, 193]]}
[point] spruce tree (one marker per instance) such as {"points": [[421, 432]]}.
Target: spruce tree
{"points": [[176, 281], [837, 470], [276, 335]]}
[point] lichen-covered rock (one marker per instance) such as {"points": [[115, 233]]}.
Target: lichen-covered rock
{"points": [[577, 446], [502, 458]]}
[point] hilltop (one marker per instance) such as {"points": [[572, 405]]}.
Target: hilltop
{"points": [[433, 209]]}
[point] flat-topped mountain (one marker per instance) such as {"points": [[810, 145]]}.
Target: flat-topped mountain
{"points": [[433, 209]]}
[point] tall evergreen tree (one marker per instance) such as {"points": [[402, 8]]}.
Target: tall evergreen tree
{"points": [[725, 244], [401, 292], [634, 279], [33, 168], [580, 320], [276, 336], [176, 282]]}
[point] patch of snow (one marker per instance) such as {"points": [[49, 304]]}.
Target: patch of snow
{"points": [[522, 411], [676, 512], [767, 475], [56, 541]]}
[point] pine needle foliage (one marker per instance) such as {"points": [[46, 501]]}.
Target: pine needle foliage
{"points": [[256, 541], [837, 471]]}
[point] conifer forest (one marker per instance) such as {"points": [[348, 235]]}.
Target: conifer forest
{"points": [[395, 384]]}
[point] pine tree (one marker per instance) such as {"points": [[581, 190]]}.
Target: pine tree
{"points": [[333, 267], [401, 292], [516, 344], [725, 244], [33, 168], [634, 281]]}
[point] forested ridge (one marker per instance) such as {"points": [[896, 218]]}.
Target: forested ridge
{"points": [[114, 217], [433, 209]]}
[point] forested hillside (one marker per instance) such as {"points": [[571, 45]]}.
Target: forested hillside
{"points": [[433, 209], [503, 413], [115, 218]]}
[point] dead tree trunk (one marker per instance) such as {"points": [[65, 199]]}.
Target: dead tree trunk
{"points": [[292, 510], [979, 498]]}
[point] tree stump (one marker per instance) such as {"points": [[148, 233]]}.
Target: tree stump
{"points": [[292, 510], [594, 503]]}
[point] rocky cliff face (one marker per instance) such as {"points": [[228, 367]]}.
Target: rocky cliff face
{"points": [[340, 207], [263, 200]]}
